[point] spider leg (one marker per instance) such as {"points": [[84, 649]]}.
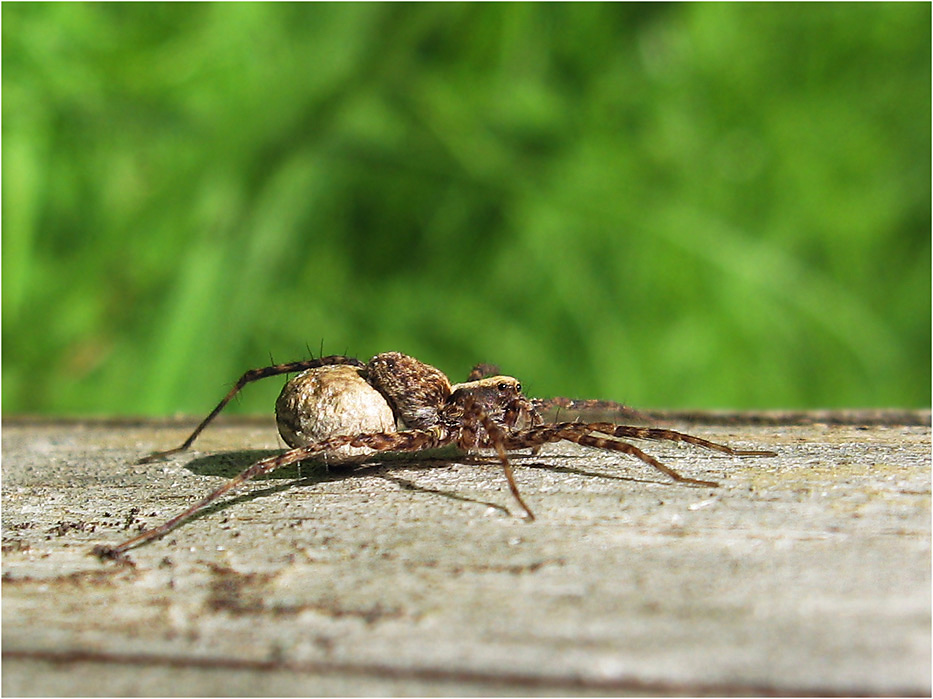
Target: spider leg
{"points": [[496, 438], [589, 440], [412, 440], [482, 370], [553, 407], [670, 435], [249, 377], [582, 434]]}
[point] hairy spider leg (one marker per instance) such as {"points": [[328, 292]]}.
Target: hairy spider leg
{"points": [[595, 407], [411, 440], [582, 434], [560, 403], [465, 436], [474, 415], [672, 436], [249, 377], [482, 370]]}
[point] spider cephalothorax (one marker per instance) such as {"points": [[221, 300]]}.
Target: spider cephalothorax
{"points": [[397, 403]]}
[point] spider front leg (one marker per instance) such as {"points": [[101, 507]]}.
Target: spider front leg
{"points": [[551, 408], [582, 434], [588, 409], [672, 436], [411, 440], [249, 377], [589, 440], [495, 436]]}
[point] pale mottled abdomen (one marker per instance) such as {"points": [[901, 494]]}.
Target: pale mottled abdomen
{"points": [[330, 401]]}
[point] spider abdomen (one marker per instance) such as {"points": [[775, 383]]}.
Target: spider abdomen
{"points": [[415, 390]]}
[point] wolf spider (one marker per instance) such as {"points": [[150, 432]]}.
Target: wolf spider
{"points": [[422, 410]]}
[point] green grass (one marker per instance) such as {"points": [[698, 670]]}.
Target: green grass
{"points": [[698, 205]]}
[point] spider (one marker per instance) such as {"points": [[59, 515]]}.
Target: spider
{"points": [[347, 410]]}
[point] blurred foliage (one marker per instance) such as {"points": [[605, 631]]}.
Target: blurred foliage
{"points": [[692, 205]]}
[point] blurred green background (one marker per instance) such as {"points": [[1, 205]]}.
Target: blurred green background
{"points": [[681, 206]]}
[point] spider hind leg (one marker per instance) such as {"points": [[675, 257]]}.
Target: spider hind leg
{"points": [[249, 377]]}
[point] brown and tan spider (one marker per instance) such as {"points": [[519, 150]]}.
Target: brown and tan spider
{"points": [[347, 410]]}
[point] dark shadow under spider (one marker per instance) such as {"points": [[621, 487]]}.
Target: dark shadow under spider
{"points": [[486, 412]]}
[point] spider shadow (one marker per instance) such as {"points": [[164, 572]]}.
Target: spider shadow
{"points": [[231, 463], [314, 472], [520, 460], [527, 462]]}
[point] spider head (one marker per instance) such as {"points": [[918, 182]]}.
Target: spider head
{"points": [[499, 397]]}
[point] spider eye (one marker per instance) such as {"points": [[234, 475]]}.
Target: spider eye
{"points": [[503, 387], [518, 388]]}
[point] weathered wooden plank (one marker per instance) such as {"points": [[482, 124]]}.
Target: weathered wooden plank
{"points": [[808, 573]]}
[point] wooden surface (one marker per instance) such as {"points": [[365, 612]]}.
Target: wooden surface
{"points": [[808, 573]]}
